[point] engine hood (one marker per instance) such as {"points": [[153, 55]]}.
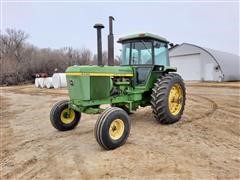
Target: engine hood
{"points": [[126, 71]]}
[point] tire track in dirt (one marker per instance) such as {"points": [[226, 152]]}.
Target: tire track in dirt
{"points": [[212, 107], [156, 152], [227, 109], [30, 167], [59, 135], [20, 169], [229, 113]]}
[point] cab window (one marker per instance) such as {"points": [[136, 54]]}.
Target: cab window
{"points": [[125, 55], [161, 53], [141, 52], [137, 53]]}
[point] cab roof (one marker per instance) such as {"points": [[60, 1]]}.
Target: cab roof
{"points": [[142, 36]]}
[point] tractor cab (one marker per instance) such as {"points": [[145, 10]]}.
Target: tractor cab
{"points": [[144, 49], [145, 52]]}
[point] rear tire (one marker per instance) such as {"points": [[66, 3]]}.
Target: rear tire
{"points": [[168, 98], [112, 128], [62, 118]]}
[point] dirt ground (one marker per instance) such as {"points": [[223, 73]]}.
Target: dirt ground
{"points": [[205, 144]]}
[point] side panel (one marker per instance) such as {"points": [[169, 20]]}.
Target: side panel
{"points": [[88, 88], [79, 87], [99, 87]]}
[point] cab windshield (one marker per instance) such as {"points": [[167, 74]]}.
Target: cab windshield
{"points": [[142, 53], [139, 52]]}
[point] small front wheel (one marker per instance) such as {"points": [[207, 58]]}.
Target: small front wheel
{"points": [[112, 128], [62, 117], [124, 107]]}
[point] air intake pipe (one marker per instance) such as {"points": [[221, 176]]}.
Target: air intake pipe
{"points": [[111, 43], [99, 43]]}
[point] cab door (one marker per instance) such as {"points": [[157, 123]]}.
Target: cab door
{"points": [[141, 57]]}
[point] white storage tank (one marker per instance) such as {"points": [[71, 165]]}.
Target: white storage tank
{"points": [[36, 82], [59, 80], [48, 82], [41, 82]]}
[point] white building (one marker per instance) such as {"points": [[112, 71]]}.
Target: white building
{"points": [[203, 64]]}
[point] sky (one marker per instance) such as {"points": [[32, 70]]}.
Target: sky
{"points": [[59, 24]]}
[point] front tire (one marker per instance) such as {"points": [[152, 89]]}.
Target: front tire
{"points": [[124, 107], [112, 128], [168, 99], [62, 117]]}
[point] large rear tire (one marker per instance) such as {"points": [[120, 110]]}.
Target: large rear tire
{"points": [[168, 99], [62, 117], [112, 128]]}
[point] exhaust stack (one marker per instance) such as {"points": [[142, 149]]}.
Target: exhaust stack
{"points": [[99, 43], [111, 43]]}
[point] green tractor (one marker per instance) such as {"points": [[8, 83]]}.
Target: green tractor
{"points": [[144, 78]]}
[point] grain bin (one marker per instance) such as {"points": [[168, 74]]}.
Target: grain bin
{"points": [[59, 80]]}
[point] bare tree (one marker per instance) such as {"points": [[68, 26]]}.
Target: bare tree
{"points": [[19, 60], [104, 58], [85, 56], [12, 43]]}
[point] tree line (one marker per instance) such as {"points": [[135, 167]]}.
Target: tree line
{"points": [[20, 60]]}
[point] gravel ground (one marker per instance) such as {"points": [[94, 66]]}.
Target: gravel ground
{"points": [[204, 144]]}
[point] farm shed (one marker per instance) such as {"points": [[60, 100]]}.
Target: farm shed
{"points": [[204, 64]]}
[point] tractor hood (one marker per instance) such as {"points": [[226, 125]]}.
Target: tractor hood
{"points": [[125, 71], [93, 82]]}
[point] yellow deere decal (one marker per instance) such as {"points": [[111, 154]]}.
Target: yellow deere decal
{"points": [[97, 74]]}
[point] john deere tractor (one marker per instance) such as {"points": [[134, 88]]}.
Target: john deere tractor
{"points": [[144, 78]]}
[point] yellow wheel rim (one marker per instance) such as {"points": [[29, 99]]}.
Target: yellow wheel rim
{"points": [[67, 116], [175, 99], [116, 129]]}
